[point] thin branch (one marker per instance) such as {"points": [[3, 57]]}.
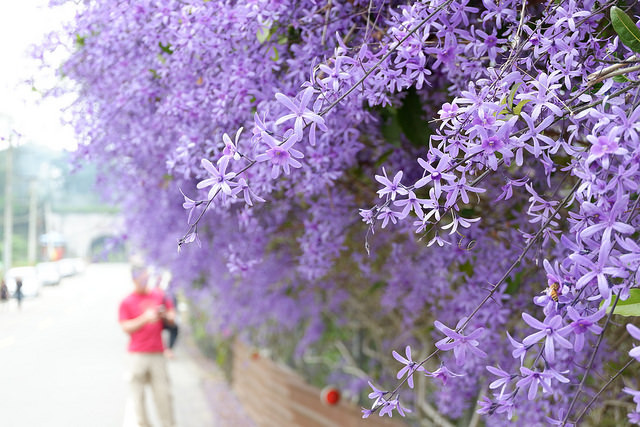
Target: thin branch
{"points": [[522, 255], [501, 281], [590, 364], [617, 72], [604, 387], [193, 227], [385, 57]]}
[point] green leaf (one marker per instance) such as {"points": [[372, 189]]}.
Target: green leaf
{"points": [[377, 285], [80, 40], [276, 54], [627, 30], [263, 34], [519, 107], [411, 119], [514, 283], [166, 48], [629, 307], [391, 129], [512, 95], [621, 79], [383, 158], [467, 268]]}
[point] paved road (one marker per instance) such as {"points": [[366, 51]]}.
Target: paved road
{"points": [[61, 355], [63, 358]]}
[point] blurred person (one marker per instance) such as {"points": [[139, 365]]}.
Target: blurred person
{"points": [[4, 292], [142, 315], [19, 294]]}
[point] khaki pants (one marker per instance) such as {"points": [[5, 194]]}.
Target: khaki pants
{"points": [[151, 368]]}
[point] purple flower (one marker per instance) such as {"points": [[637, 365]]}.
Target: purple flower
{"points": [[596, 271], [503, 403], [608, 224], [630, 126], [443, 374], [635, 394], [507, 189], [559, 421], [435, 175], [581, 324], [551, 330], [367, 215], [459, 221], [189, 204], [190, 238], [543, 96], [603, 145], [437, 240], [493, 142], [386, 408], [520, 349], [461, 344], [412, 202], [220, 179], [459, 188], [534, 379], [486, 406], [535, 135], [503, 378], [392, 188], [334, 76], [409, 368], [281, 156], [247, 192], [387, 215], [299, 112], [230, 150], [390, 405], [448, 110], [634, 331], [376, 394]]}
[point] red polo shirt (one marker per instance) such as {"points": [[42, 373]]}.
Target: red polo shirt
{"points": [[147, 339]]}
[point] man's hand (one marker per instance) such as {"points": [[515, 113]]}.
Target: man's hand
{"points": [[150, 315], [169, 316]]}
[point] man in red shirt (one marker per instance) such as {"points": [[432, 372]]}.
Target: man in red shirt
{"points": [[141, 315]]}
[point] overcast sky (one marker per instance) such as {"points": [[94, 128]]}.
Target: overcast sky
{"points": [[22, 24]]}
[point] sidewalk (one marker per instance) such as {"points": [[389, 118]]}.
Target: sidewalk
{"points": [[202, 397]]}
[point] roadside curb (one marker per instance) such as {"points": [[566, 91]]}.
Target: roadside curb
{"points": [[223, 402]]}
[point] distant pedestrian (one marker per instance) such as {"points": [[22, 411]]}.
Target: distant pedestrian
{"points": [[4, 292], [141, 315], [19, 294]]}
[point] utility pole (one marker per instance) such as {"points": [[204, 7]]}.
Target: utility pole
{"points": [[8, 210], [49, 232], [32, 242]]}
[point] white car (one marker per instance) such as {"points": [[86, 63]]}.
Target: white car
{"points": [[66, 267], [31, 282], [48, 273], [79, 265]]}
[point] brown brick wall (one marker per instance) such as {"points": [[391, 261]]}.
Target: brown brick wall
{"points": [[275, 396]]}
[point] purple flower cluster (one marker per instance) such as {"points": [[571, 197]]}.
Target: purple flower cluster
{"points": [[489, 139]]}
